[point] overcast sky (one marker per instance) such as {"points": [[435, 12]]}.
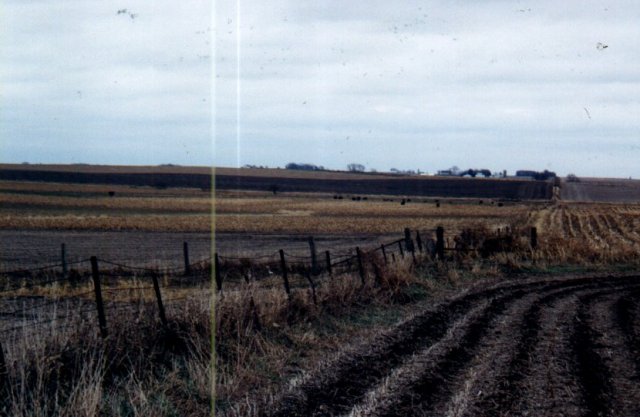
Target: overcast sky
{"points": [[408, 85], [82, 83]]}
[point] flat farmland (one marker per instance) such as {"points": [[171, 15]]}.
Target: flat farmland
{"points": [[476, 333], [137, 225], [602, 190]]}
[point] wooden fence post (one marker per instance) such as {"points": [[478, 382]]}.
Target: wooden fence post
{"points": [[408, 242], [360, 266], [328, 259], [63, 259], [440, 242], [314, 258], [216, 266], [376, 271], [400, 248], [185, 252], [419, 241], [384, 255], [283, 266], [156, 288], [534, 238], [4, 372], [95, 273], [313, 287]]}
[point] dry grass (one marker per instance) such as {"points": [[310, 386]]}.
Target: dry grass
{"points": [[107, 222], [327, 215], [265, 340], [65, 369], [44, 206], [199, 204]]}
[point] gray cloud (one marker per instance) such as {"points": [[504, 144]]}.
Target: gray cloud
{"points": [[497, 84], [82, 83], [427, 85]]}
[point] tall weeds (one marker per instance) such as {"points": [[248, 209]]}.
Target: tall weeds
{"points": [[141, 369]]}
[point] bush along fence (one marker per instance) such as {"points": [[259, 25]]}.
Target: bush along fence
{"points": [[289, 271]]}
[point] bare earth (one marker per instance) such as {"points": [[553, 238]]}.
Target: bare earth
{"points": [[30, 249], [540, 347]]}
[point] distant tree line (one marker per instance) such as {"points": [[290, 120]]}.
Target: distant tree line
{"points": [[474, 172], [405, 171], [354, 167], [536, 175], [304, 167]]}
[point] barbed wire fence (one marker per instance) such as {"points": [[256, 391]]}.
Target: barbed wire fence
{"points": [[29, 301]]}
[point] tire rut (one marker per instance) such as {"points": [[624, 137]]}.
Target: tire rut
{"points": [[338, 389], [610, 344], [437, 391], [506, 387]]}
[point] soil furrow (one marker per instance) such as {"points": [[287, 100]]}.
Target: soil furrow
{"points": [[509, 387], [626, 311], [345, 381], [502, 387], [594, 376], [611, 345], [422, 395], [352, 379], [430, 394]]}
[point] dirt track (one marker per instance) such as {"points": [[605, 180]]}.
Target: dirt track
{"points": [[542, 347]]}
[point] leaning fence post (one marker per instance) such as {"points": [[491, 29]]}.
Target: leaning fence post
{"points": [[328, 259], [217, 272], [156, 288], [360, 267], [534, 237], [283, 266], [63, 259], [419, 241], [400, 248], [185, 251], [314, 258], [440, 242], [384, 254], [313, 287], [95, 273]]}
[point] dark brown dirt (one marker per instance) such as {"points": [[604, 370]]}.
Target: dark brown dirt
{"points": [[543, 347], [32, 249]]}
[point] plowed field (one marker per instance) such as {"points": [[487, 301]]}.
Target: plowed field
{"points": [[542, 347]]}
